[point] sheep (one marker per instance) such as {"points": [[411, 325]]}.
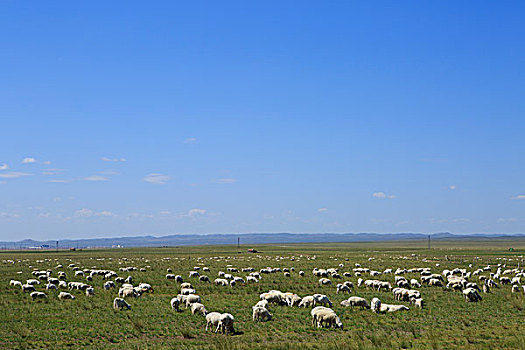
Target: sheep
{"points": [[15, 283], [262, 303], [32, 282], [274, 298], [324, 281], [109, 284], [515, 288], [65, 296], [212, 319], [226, 324], [301, 273], [28, 288], [342, 288], [418, 302], [38, 295], [187, 291], [415, 283], [321, 299], [198, 308], [119, 303], [146, 287], [90, 291], [192, 298], [486, 288], [328, 317], [194, 274], [170, 276], [175, 303], [186, 285], [357, 301], [307, 301], [261, 314], [204, 278], [127, 292], [378, 307], [471, 295], [221, 282], [50, 286]]}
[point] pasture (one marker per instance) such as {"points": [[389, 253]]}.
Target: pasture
{"points": [[446, 321]]}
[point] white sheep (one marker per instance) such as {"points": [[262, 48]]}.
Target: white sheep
{"points": [[341, 288], [226, 324], [50, 286], [90, 291], [262, 303], [15, 283], [119, 303], [321, 299], [379, 307], [109, 284], [28, 288], [356, 301], [261, 314], [198, 308], [38, 295], [191, 298], [329, 318], [212, 319], [175, 303], [471, 295], [307, 301], [65, 296]]}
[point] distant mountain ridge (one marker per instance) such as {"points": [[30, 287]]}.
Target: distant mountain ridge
{"points": [[245, 238]]}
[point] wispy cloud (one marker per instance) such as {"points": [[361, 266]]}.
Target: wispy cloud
{"points": [[157, 179], [95, 178], [225, 181], [47, 162], [190, 140], [52, 171], [4, 167], [322, 210], [28, 160], [107, 159], [507, 220], [13, 175], [383, 195], [59, 181], [450, 221], [196, 211], [87, 213], [9, 215], [519, 196], [452, 187]]}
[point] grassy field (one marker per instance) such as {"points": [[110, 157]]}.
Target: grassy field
{"points": [[446, 322]]}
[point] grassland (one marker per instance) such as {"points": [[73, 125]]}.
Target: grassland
{"points": [[447, 321]]}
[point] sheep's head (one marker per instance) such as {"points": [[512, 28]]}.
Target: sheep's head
{"points": [[376, 304]]}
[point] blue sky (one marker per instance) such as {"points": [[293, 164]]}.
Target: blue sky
{"points": [[126, 118]]}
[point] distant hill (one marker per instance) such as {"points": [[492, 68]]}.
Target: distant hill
{"points": [[246, 238]]}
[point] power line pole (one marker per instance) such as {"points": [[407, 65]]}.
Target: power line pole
{"points": [[238, 242], [428, 242]]}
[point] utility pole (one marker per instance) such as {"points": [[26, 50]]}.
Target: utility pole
{"points": [[238, 242], [428, 242], [57, 246]]}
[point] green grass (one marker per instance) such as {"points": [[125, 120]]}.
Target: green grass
{"points": [[447, 322]]}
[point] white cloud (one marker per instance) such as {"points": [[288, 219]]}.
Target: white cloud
{"points": [[3, 182], [157, 179], [106, 159], [105, 213], [47, 162], [519, 196], [507, 220], [452, 187], [59, 181], [225, 181], [450, 221], [87, 213], [322, 210], [383, 195], [165, 212], [4, 167], [84, 213], [95, 178], [13, 175], [28, 160], [9, 215], [196, 211], [190, 140]]}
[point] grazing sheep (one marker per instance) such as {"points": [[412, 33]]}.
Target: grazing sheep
{"points": [[329, 318], [301, 273], [186, 285], [187, 291], [358, 301], [65, 296], [515, 288], [341, 288], [273, 298], [175, 303], [262, 303], [472, 295], [307, 301], [221, 282], [194, 274], [119, 303], [226, 324], [38, 295], [192, 298], [378, 307], [179, 279], [127, 292], [90, 291], [198, 308], [170, 276], [418, 302], [486, 288], [261, 314], [33, 282], [108, 285], [321, 299], [15, 283], [324, 281], [28, 288], [212, 319], [145, 288], [415, 283], [50, 286], [204, 278]]}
